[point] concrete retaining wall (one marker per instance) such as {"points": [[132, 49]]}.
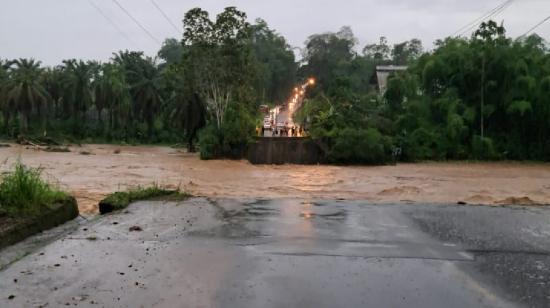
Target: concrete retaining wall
{"points": [[283, 150], [17, 230]]}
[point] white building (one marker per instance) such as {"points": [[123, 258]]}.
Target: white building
{"points": [[382, 74]]}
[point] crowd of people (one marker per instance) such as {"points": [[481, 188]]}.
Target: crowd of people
{"points": [[281, 131]]}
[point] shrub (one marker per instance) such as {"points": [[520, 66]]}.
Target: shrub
{"points": [[231, 140], [365, 146], [209, 142], [483, 148], [23, 192]]}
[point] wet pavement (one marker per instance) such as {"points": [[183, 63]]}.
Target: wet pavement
{"points": [[287, 253]]}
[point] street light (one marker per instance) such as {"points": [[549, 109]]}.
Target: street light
{"points": [[311, 81]]}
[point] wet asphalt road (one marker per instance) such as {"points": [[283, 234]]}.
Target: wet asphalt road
{"points": [[287, 253]]}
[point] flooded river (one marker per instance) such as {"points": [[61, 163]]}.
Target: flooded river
{"points": [[92, 171]]}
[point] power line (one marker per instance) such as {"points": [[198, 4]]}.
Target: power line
{"points": [[496, 10], [536, 26], [137, 22], [165, 16], [482, 17], [110, 21], [494, 13]]}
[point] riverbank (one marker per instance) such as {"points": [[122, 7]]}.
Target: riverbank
{"points": [[91, 172]]}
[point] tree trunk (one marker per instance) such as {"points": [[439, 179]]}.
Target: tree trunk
{"points": [[190, 141], [100, 121]]}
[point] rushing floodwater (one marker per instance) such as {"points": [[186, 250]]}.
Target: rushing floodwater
{"points": [[91, 177]]}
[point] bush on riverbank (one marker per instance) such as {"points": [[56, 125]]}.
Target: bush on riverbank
{"points": [[231, 140], [23, 192], [120, 200]]}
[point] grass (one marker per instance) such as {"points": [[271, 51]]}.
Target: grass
{"points": [[120, 200], [23, 192]]}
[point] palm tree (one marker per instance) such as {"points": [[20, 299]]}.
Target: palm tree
{"points": [[4, 105], [111, 92], [188, 111], [146, 93], [53, 83], [78, 93], [26, 91]]}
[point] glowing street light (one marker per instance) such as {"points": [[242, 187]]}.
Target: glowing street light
{"points": [[311, 81]]}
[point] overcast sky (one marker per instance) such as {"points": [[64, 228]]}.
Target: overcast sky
{"points": [[52, 30]]}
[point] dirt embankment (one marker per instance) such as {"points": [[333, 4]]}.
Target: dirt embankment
{"points": [[92, 171]]}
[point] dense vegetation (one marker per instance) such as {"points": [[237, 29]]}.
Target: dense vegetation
{"points": [[216, 75], [484, 97], [23, 192]]}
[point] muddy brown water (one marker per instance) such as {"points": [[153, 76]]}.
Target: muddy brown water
{"points": [[90, 177]]}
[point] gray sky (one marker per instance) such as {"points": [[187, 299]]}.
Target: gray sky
{"points": [[52, 30]]}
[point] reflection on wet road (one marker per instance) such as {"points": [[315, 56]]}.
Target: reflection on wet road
{"points": [[291, 253]]}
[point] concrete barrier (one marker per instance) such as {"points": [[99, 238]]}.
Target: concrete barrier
{"points": [[282, 150], [17, 229]]}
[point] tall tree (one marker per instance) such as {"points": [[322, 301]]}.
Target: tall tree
{"points": [[217, 57], [276, 65], [379, 52], [78, 91], [406, 52], [5, 107], [26, 91], [171, 52], [329, 56], [146, 93]]}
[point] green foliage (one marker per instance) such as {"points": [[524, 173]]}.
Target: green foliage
{"points": [[210, 141], [483, 148], [25, 91], [134, 99], [507, 76], [171, 51], [344, 131], [331, 57], [218, 58], [276, 66], [233, 137], [24, 192], [365, 146], [484, 97]]}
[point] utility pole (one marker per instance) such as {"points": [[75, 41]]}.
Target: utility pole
{"points": [[482, 92]]}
